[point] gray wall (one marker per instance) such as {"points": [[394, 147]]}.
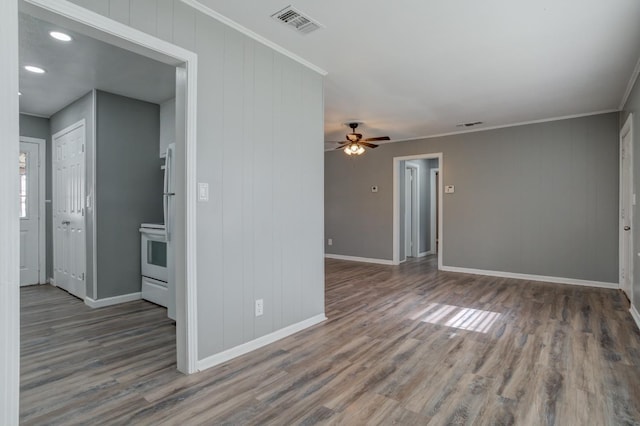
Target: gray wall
{"points": [[128, 188], [633, 106], [38, 127], [538, 199], [261, 234], [82, 108]]}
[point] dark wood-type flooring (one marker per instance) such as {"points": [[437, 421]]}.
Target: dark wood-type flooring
{"points": [[403, 345]]}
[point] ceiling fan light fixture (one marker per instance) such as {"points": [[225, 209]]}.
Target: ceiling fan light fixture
{"points": [[354, 149]]}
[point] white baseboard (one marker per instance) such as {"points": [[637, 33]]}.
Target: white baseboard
{"points": [[229, 354], [635, 315], [52, 282], [557, 280], [425, 253], [359, 259], [109, 301]]}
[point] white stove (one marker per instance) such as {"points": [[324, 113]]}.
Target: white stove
{"points": [[154, 263]]}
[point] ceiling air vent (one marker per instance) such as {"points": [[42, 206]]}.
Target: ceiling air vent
{"points": [[296, 20], [474, 123]]}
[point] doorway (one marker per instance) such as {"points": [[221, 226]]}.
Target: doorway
{"points": [[32, 233], [411, 210], [108, 31], [626, 208], [413, 215]]}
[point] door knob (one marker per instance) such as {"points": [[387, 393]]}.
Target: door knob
{"points": [[627, 228]]}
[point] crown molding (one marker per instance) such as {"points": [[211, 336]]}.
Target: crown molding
{"points": [[632, 82], [257, 37]]}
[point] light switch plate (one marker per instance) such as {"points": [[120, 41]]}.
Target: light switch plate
{"points": [[374, 188], [203, 191], [449, 189]]}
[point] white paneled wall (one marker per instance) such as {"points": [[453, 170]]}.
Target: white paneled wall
{"points": [[260, 148], [9, 243]]}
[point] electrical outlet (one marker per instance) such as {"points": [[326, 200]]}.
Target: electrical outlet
{"points": [[259, 307], [330, 241]]}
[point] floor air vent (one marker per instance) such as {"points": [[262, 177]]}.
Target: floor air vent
{"points": [[296, 20]]}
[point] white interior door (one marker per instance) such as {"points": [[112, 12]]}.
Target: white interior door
{"points": [[407, 212], [411, 212], [626, 210], [29, 213], [69, 242]]}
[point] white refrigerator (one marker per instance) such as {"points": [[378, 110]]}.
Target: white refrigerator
{"points": [[169, 197]]}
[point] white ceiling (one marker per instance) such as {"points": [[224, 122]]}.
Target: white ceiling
{"points": [[81, 65], [414, 68]]}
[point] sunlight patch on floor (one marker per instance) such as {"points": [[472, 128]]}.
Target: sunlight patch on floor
{"points": [[458, 317]]}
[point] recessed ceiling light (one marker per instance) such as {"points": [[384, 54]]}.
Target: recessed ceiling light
{"points": [[60, 36], [34, 69]]}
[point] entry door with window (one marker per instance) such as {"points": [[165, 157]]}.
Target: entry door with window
{"points": [[29, 166], [69, 242]]}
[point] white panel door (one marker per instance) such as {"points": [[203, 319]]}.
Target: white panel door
{"points": [[29, 213], [69, 243]]}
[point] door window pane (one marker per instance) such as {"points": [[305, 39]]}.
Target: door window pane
{"points": [[23, 185], [157, 253]]}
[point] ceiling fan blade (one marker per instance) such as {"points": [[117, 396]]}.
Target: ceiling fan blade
{"points": [[369, 145], [381, 138], [340, 147]]}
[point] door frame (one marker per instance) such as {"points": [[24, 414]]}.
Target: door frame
{"points": [[186, 63], [396, 202], [414, 196], [42, 238], [627, 129], [434, 223]]}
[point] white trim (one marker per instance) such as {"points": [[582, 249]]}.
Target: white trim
{"points": [[358, 259], [432, 181], [425, 253], [627, 129], [528, 277], [93, 191], [66, 130], [635, 315], [42, 237], [35, 115], [110, 301], [396, 203], [126, 37], [244, 348], [630, 84], [257, 37]]}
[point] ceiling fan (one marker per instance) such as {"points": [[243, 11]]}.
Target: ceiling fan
{"points": [[354, 145]]}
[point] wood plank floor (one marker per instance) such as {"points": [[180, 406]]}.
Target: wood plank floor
{"points": [[403, 345]]}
